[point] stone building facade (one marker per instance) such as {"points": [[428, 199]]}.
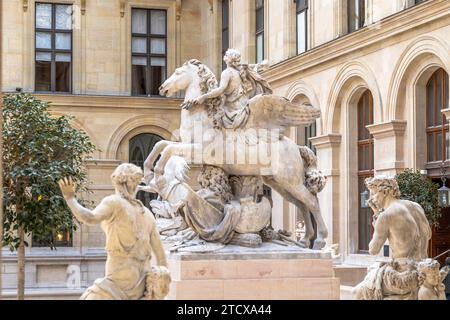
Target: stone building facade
{"points": [[378, 70]]}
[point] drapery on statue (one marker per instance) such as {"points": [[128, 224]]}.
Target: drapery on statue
{"points": [[405, 225], [238, 117], [131, 237]]}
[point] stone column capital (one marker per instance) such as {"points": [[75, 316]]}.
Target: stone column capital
{"points": [[326, 141], [446, 112], [390, 128]]}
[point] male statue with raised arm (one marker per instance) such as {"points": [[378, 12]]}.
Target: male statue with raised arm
{"points": [[131, 237]]}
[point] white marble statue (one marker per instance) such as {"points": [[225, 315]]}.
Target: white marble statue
{"points": [[404, 224], [238, 126], [213, 213], [430, 280], [131, 237]]}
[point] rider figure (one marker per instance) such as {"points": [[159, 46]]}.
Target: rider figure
{"points": [[238, 84]]}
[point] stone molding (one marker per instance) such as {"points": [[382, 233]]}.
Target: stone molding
{"points": [[97, 101], [326, 141], [387, 129]]}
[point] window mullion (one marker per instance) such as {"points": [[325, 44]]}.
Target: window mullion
{"points": [[149, 74], [53, 46]]}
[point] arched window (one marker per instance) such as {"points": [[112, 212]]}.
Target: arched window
{"points": [[365, 167], [140, 147], [437, 126]]}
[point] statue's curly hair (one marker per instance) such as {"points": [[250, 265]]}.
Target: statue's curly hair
{"points": [[385, 184], [127, 176], [425, 266], [208, 83], [216, 180]]}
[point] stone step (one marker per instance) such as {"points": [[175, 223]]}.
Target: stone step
{"points": [[350, 275], [45, 294]]}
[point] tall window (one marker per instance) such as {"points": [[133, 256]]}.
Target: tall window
{"points": [[53, 47], [365, 167], [149, 50], [225, 29], [356, 14], [140, 147], [259, 30], [302, 25], [310, 132], [437, 126]]}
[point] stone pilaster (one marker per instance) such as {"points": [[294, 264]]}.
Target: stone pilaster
{"points": [[388, 146], [328, 156]]}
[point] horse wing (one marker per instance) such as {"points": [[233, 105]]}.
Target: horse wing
{"points": [[272, 111]]}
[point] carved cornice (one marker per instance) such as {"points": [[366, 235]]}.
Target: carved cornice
{"points": [[379, 32], [326, 141], [393, 127]]}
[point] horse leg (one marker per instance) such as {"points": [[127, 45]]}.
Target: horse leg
{"points": [[184, 150], [154, 154], [312, 203], [309, 230]]}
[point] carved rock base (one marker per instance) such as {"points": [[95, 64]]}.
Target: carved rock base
{"points": [[268, 273]]}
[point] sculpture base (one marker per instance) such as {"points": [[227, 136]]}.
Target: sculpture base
{"points": [[271, 272]]}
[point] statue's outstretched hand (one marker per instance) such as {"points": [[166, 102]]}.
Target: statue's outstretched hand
{"points": [[67, 187]]}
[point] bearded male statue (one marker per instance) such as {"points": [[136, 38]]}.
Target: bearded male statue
{"points": [[404, 224], [131, 237]]}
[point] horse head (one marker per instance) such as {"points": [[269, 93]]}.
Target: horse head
{"points": [[193, 77]]}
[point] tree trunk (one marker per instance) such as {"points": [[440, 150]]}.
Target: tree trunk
{"points": [[21, 265]]}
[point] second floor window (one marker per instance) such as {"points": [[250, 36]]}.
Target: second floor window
{"points": [[356, 14], [302, 25], [149, 51], [53, 47], [259, 30]]}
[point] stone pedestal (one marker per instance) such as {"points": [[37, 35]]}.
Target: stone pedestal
{"points": [[272, 272]]}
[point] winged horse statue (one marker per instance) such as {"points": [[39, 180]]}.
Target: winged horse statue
{"points": [[242, 141]]}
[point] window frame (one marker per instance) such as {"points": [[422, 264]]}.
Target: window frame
{"points": [[298, 11], [225, 29], [365, 143], [361, 13], [311, 132], [148, 55], [435, 129], [53, 51], [260, 32]]}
